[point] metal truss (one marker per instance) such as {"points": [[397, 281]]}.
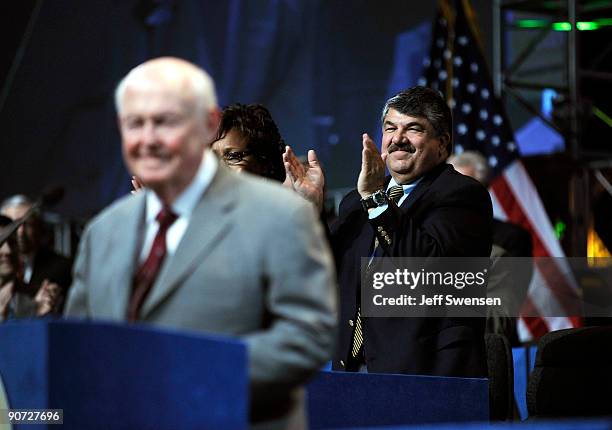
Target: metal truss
{"points": [[512, 79]]}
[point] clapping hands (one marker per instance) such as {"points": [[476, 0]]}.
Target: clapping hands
{"points": [[307, 180]]}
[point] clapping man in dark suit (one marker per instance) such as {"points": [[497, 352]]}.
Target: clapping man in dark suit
{"points": [[206, 249], [439, 213]]}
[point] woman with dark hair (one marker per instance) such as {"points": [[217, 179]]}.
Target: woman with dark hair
{"points": [[249, 140]]}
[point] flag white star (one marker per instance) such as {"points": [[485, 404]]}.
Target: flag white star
{"points": [[462, 129], [484, 114]]}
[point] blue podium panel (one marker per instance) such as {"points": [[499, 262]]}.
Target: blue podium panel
{"points": [[350, 400], [585, 424], [125, 377]]}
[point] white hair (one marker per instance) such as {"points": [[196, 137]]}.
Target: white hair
{"points": [[16, 200], [199, 83], [474, 160]]}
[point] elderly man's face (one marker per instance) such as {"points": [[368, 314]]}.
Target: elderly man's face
{"points": [[412, 146], [163, 135], [28, 232]]}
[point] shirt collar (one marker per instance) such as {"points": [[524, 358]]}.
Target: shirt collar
{"points": [[186, 202], [406, 187]]}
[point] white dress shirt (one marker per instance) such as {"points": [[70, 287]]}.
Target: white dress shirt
{"points": [[183, 207]]}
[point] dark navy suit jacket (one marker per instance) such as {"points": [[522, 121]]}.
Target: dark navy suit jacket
{"points": [[446, 215]]}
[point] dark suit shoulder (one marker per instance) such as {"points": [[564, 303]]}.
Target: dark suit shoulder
{"points": [[452, 185]]}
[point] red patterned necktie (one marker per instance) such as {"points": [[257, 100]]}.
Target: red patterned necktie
{"points": [[146, 274]]}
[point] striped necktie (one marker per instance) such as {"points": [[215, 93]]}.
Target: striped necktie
{"points": [[394, 193]]}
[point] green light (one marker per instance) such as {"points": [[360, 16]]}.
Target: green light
{"points": [[560, 228], [531, 23], [587, 25], [562, 26]]}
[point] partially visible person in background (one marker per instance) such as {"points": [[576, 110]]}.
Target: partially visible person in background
{"points": [[15, 302], [41, 264], [509, 240], [248, 140]]}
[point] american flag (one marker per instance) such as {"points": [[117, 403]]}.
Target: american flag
{"points": [[456, 67]]}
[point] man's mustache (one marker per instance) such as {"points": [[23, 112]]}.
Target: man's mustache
{"points": [[408, 147]]}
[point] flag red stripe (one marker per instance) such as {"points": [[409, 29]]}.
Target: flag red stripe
{"points": [[555, 280], [515, 213], [537, 325]]}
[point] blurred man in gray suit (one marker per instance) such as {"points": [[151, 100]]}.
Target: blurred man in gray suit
{"points": [[206, 249]]}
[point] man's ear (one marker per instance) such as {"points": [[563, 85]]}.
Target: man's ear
{"points": [[444, 150], [213, 119]]}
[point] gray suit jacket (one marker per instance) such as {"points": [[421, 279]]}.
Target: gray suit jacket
{"points": [[253, 263]]}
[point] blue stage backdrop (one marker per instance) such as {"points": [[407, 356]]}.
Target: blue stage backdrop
{"points": [[324, 69]]}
